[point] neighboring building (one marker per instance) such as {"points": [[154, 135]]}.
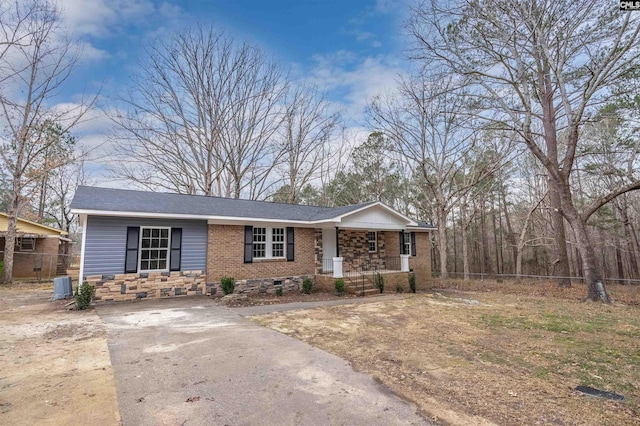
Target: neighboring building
{"points": [[39, 249], [148, 244]]}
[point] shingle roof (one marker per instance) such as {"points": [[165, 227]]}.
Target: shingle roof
{"points": [[422, 224], [122, 200]]}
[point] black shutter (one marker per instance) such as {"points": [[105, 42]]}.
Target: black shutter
{"points": [[248, 244], [176, 249], [402, 242], [290, 245], [131, 253], [413, 244]]}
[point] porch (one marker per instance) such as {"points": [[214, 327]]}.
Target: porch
{"points": [[337, 268], [352, 252]]}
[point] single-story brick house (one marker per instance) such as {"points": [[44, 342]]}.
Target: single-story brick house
{"points": [[147, 244], [39, 250]]}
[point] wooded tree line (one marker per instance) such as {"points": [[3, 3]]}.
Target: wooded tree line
{"points": [[515, 132]]}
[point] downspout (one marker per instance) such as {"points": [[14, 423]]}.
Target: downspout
{"points": [[83, 220]]}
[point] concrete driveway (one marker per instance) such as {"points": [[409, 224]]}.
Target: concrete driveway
{"points": [[191, 362]]}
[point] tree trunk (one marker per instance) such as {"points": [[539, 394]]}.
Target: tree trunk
{"points": [[465, 242], [519, 263], [442, 243], [495, 237], [579, 270], [631, 248], [486, 267], [10, 241], [619, 261], [511, 236], [561, 263], [592, 274], [455, 248]]}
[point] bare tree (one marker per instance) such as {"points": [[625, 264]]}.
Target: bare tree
{"points": [[36, 59], [429, 126], [308, 126], [539, 63], [202, 116], [61, 187], [336, 154]]}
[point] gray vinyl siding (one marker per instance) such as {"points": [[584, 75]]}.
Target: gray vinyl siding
{"points": [[107, 237]]}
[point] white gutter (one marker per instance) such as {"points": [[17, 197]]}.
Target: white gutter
{"points": [[235, 219], [186, 216]]}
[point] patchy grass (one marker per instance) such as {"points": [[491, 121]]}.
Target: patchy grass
{"points": [[511, 359]]}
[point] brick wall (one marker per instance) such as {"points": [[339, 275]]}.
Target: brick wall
{"points": [[44, 256], [392, 243], [421, 262], [318, 250], [225, 256]]}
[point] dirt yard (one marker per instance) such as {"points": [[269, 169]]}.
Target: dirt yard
{"points": [[54, 364], [488, 358]]}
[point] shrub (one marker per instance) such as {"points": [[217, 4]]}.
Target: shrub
{"points": [[339, 285], [1, 266], [307, 285], [227, 284], [399, 288], [279, 291], [412, 282], [84, 296], [380, 282]]}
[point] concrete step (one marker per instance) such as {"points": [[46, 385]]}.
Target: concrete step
{"points": [[367, 286]]}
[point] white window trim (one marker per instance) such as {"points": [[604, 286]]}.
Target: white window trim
{"points": [[269, 243], [265, 242], [375, 241], [407, 243], [168, 250]]}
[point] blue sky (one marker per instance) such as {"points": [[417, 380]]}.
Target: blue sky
{"points": [[352, 49]]}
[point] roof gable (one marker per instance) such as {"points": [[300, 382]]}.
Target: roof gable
{"points": [[28, 227], [375, 216]]}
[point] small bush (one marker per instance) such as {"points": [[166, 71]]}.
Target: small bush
{"points": [[227, 284], [380, 282], [339, 285], [307, 285], [1, 266], [84, 296], [412, 282], [279, 291], [399, 288]]}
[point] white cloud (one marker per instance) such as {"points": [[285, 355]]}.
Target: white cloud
{"points": [[97, 17], [354, 79], [88, 52]]}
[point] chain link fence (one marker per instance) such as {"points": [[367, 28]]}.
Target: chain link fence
{"points": [[512, 277], [33, 266]]}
